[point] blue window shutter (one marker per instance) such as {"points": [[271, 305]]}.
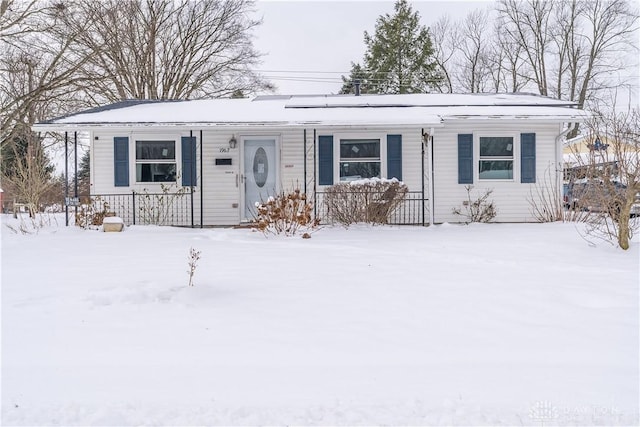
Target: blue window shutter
{"points": [[188, 161], [465, 158], [528, 158], [325, 160], [121, 161], [394, 156]]}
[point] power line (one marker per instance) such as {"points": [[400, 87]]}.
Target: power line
{"points": [[303, 71], [302, 78]]}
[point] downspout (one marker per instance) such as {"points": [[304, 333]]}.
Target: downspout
{"points": [[560, 160], [432, 187], [66, 178], [201, 184], [191, 177], [422, 135], [315, 196], [75, 169], [304, 145]]}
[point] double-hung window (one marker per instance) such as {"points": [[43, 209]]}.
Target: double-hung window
{"points": [[496, 157], [359, 158], [155, 161]]}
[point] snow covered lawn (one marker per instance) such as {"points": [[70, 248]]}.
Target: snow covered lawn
{"points": [[521, 324]]}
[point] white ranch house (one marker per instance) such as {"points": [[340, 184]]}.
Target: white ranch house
{"points": [[229, 153]]}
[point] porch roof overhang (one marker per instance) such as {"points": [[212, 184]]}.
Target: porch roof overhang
{"points": [[190, 125], [382, 111]]}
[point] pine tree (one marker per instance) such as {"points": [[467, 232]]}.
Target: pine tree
{"points": [[84, 174], [357, 75], [399, 56]]}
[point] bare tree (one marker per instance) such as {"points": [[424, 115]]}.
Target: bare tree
{"points": [[30, 176], [609, 177], [38, 72], [625, 149], [474, 46], [165, 49], [475, 56], [38, 67], [445, 38], [507, 67], [57, 57], [572, 47], [609, 28], [529, 24], [14, 14]]}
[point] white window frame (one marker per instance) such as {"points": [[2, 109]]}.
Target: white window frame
{"points": [[338, 137], [477, 159], [134, 138]]}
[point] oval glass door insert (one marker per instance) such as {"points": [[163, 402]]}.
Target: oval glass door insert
{"points": [[260, 167]]}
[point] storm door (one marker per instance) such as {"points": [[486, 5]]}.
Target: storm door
{"points": [[260, 172]]}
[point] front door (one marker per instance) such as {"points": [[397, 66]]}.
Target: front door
{"points": [[260, 172]]}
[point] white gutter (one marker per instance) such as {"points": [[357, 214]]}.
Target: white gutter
{"points": [[61, 127], [559, 156]]}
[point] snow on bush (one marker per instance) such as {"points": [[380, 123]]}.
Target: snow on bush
{"points": [[285, 214], [370, 200]]}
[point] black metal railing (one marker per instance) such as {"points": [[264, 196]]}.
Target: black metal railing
{"points": [[177, 209], [412, 210], [144, 208]]}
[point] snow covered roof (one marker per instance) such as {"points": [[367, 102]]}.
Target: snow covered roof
{"points": [[426, 100], [329, 110]]}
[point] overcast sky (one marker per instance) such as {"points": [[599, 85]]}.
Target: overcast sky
{"points": [[324, 37], [316, 41]]}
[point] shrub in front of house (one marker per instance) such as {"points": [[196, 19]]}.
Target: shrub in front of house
{"points": [[480, 209], [370, 201], [92, 214], [287, 213]]}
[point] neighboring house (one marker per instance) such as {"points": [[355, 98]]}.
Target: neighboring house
{"points": [[235, 152], [594, 151], [582, 151]]}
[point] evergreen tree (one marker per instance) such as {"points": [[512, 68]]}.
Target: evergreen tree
{"points": [[84, 172], [357, 75], [399, 56], [238, 94]]}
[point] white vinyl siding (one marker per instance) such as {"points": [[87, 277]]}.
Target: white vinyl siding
{"points": [[102, 168], [510, 197], [222, 184], [223, 188]]}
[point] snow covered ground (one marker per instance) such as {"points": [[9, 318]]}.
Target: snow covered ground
{"points": [[522, 324]]}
